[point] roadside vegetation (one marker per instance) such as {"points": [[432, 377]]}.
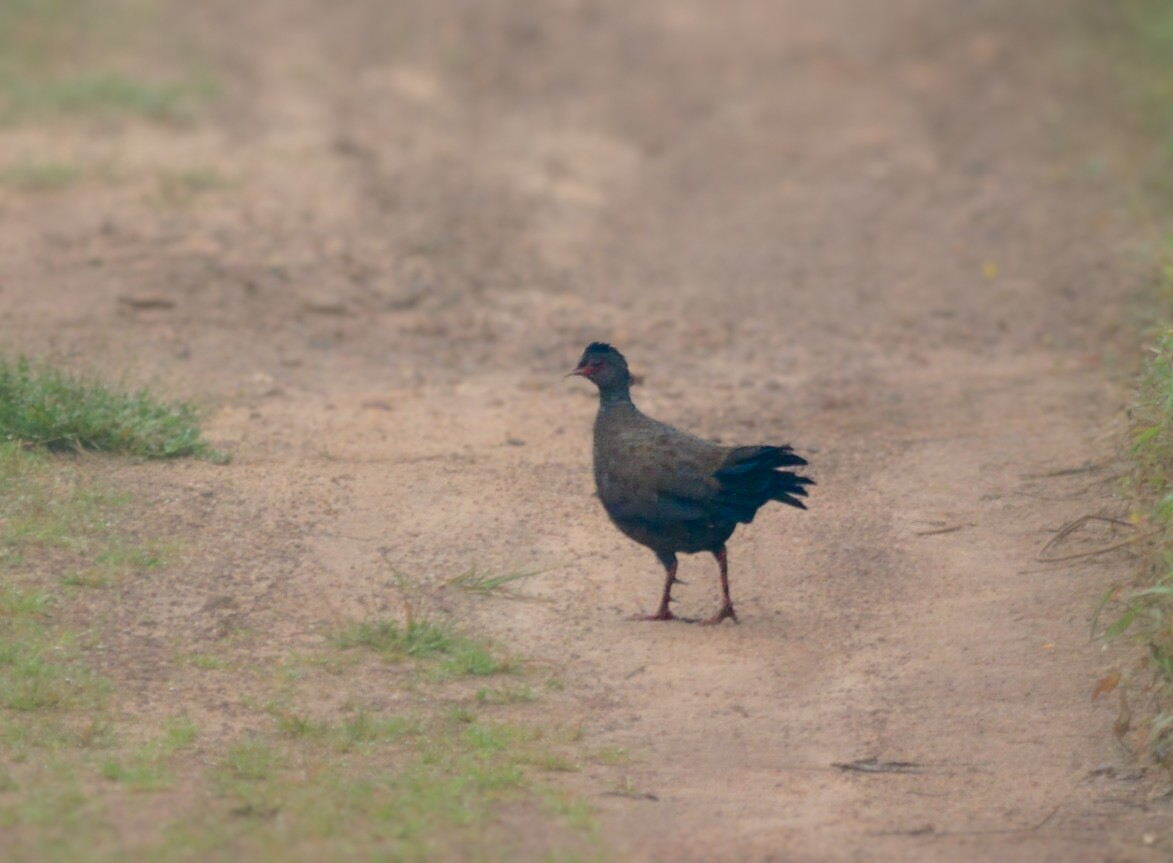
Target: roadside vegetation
{"points": [[1140, 36]]}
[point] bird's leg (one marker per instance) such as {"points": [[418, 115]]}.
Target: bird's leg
{"points": [[670, 579], [726, 609]]}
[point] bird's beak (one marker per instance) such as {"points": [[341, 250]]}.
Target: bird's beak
{"points": [[578, 372]]}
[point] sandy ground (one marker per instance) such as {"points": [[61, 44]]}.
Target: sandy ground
{"points": [[862, 229]]}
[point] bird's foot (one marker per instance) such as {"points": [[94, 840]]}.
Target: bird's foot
{"points": [[662, 614], [726, 611]]}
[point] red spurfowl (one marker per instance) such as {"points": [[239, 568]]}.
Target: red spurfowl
{"points": [[672, 491]]}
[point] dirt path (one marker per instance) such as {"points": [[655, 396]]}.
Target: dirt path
{"points": [[857, 228]]}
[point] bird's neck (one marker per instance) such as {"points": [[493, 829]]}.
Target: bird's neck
{"points": [[612, 396]]}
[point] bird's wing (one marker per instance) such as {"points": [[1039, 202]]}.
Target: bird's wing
{"points": [[667, 477]]}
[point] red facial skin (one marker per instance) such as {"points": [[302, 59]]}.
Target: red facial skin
{"points": [[587, 371]]}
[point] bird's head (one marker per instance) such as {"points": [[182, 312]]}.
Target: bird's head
{"points": [[603, 366]]}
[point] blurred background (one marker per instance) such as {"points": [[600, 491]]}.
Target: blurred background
{"points": [[458, 184]]}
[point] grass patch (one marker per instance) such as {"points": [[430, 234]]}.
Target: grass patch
{"points": [[147, 768], [1153, 418], [390, 639], [103, 94], [179, 733], [47, 407], [205, 661], [554, 762], [436, 782], [520, 694], [40, 665], [52, 518], [444, 652], [424, 787], [364, 730], [297, 725], [612, 755], [64, 58], [251, 760], [439, 802], [1139, 34], [38, 673], [59, 727], [431, 782], [39, 176], [502, 585], [180, 188]]}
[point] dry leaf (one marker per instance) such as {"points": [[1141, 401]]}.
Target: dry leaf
{"points": [[1107, 684]]}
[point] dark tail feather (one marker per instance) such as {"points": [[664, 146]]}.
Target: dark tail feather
{"points": [[787, 487], [751, 459], [750, 478]]}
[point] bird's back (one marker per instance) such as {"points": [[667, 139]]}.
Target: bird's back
{"points": [[673, 491], [655, 481]]}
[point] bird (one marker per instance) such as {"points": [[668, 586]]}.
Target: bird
{"points": [[672, 491]]}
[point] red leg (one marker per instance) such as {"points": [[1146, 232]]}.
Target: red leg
{"points": [[726, 609], [664, 613]]}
